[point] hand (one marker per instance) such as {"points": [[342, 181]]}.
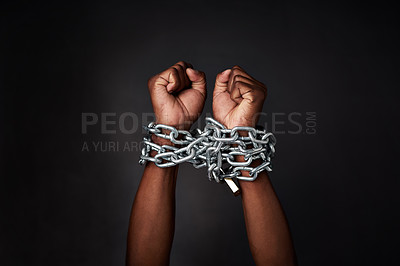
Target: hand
{"points": [[178, 95], [238, 98]]}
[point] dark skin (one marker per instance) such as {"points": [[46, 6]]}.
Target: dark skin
{"points": [[178, 95]]}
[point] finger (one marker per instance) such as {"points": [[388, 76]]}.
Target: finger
{"points": [[182, 66], [249, 81], [161, 81], [198, 80], [185, 64], [170, 79], [179, 72], [221, 82], [237, 70], [249, 95], [158, 87]]}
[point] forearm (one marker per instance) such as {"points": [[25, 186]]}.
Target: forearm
{"points": [[267, 229], [151, 227], [177, 95]]}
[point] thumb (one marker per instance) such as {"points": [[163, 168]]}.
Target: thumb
{"points": [[198, 80], [221, 82]]}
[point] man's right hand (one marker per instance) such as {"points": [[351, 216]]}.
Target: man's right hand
{"points": [[238, 98], [178, 95]]}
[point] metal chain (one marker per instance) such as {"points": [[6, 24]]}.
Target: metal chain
{"points": [[215, 148]]}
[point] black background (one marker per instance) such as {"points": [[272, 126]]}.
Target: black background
{"points": [[64, 206]]}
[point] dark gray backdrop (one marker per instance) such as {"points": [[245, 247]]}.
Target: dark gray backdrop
{"points": [[64, 206]]}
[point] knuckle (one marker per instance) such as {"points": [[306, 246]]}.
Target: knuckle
{"points": [[178, 68], [173, 71], [236, 71], [181, 65]]}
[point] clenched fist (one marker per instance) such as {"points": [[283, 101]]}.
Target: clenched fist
{"points": [[178, 95], [238, 98]]}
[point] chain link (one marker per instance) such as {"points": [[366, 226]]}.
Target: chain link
{"points": [[215, 148]]}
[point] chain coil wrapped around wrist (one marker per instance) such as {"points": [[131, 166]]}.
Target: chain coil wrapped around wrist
{"points": [[215, 148]]}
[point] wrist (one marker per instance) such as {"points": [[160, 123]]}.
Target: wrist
{"points": [[179, 125], [253, 164], [161, 141], [242, 121]]}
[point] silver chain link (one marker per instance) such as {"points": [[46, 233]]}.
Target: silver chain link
{"points": [[215, 148]]}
